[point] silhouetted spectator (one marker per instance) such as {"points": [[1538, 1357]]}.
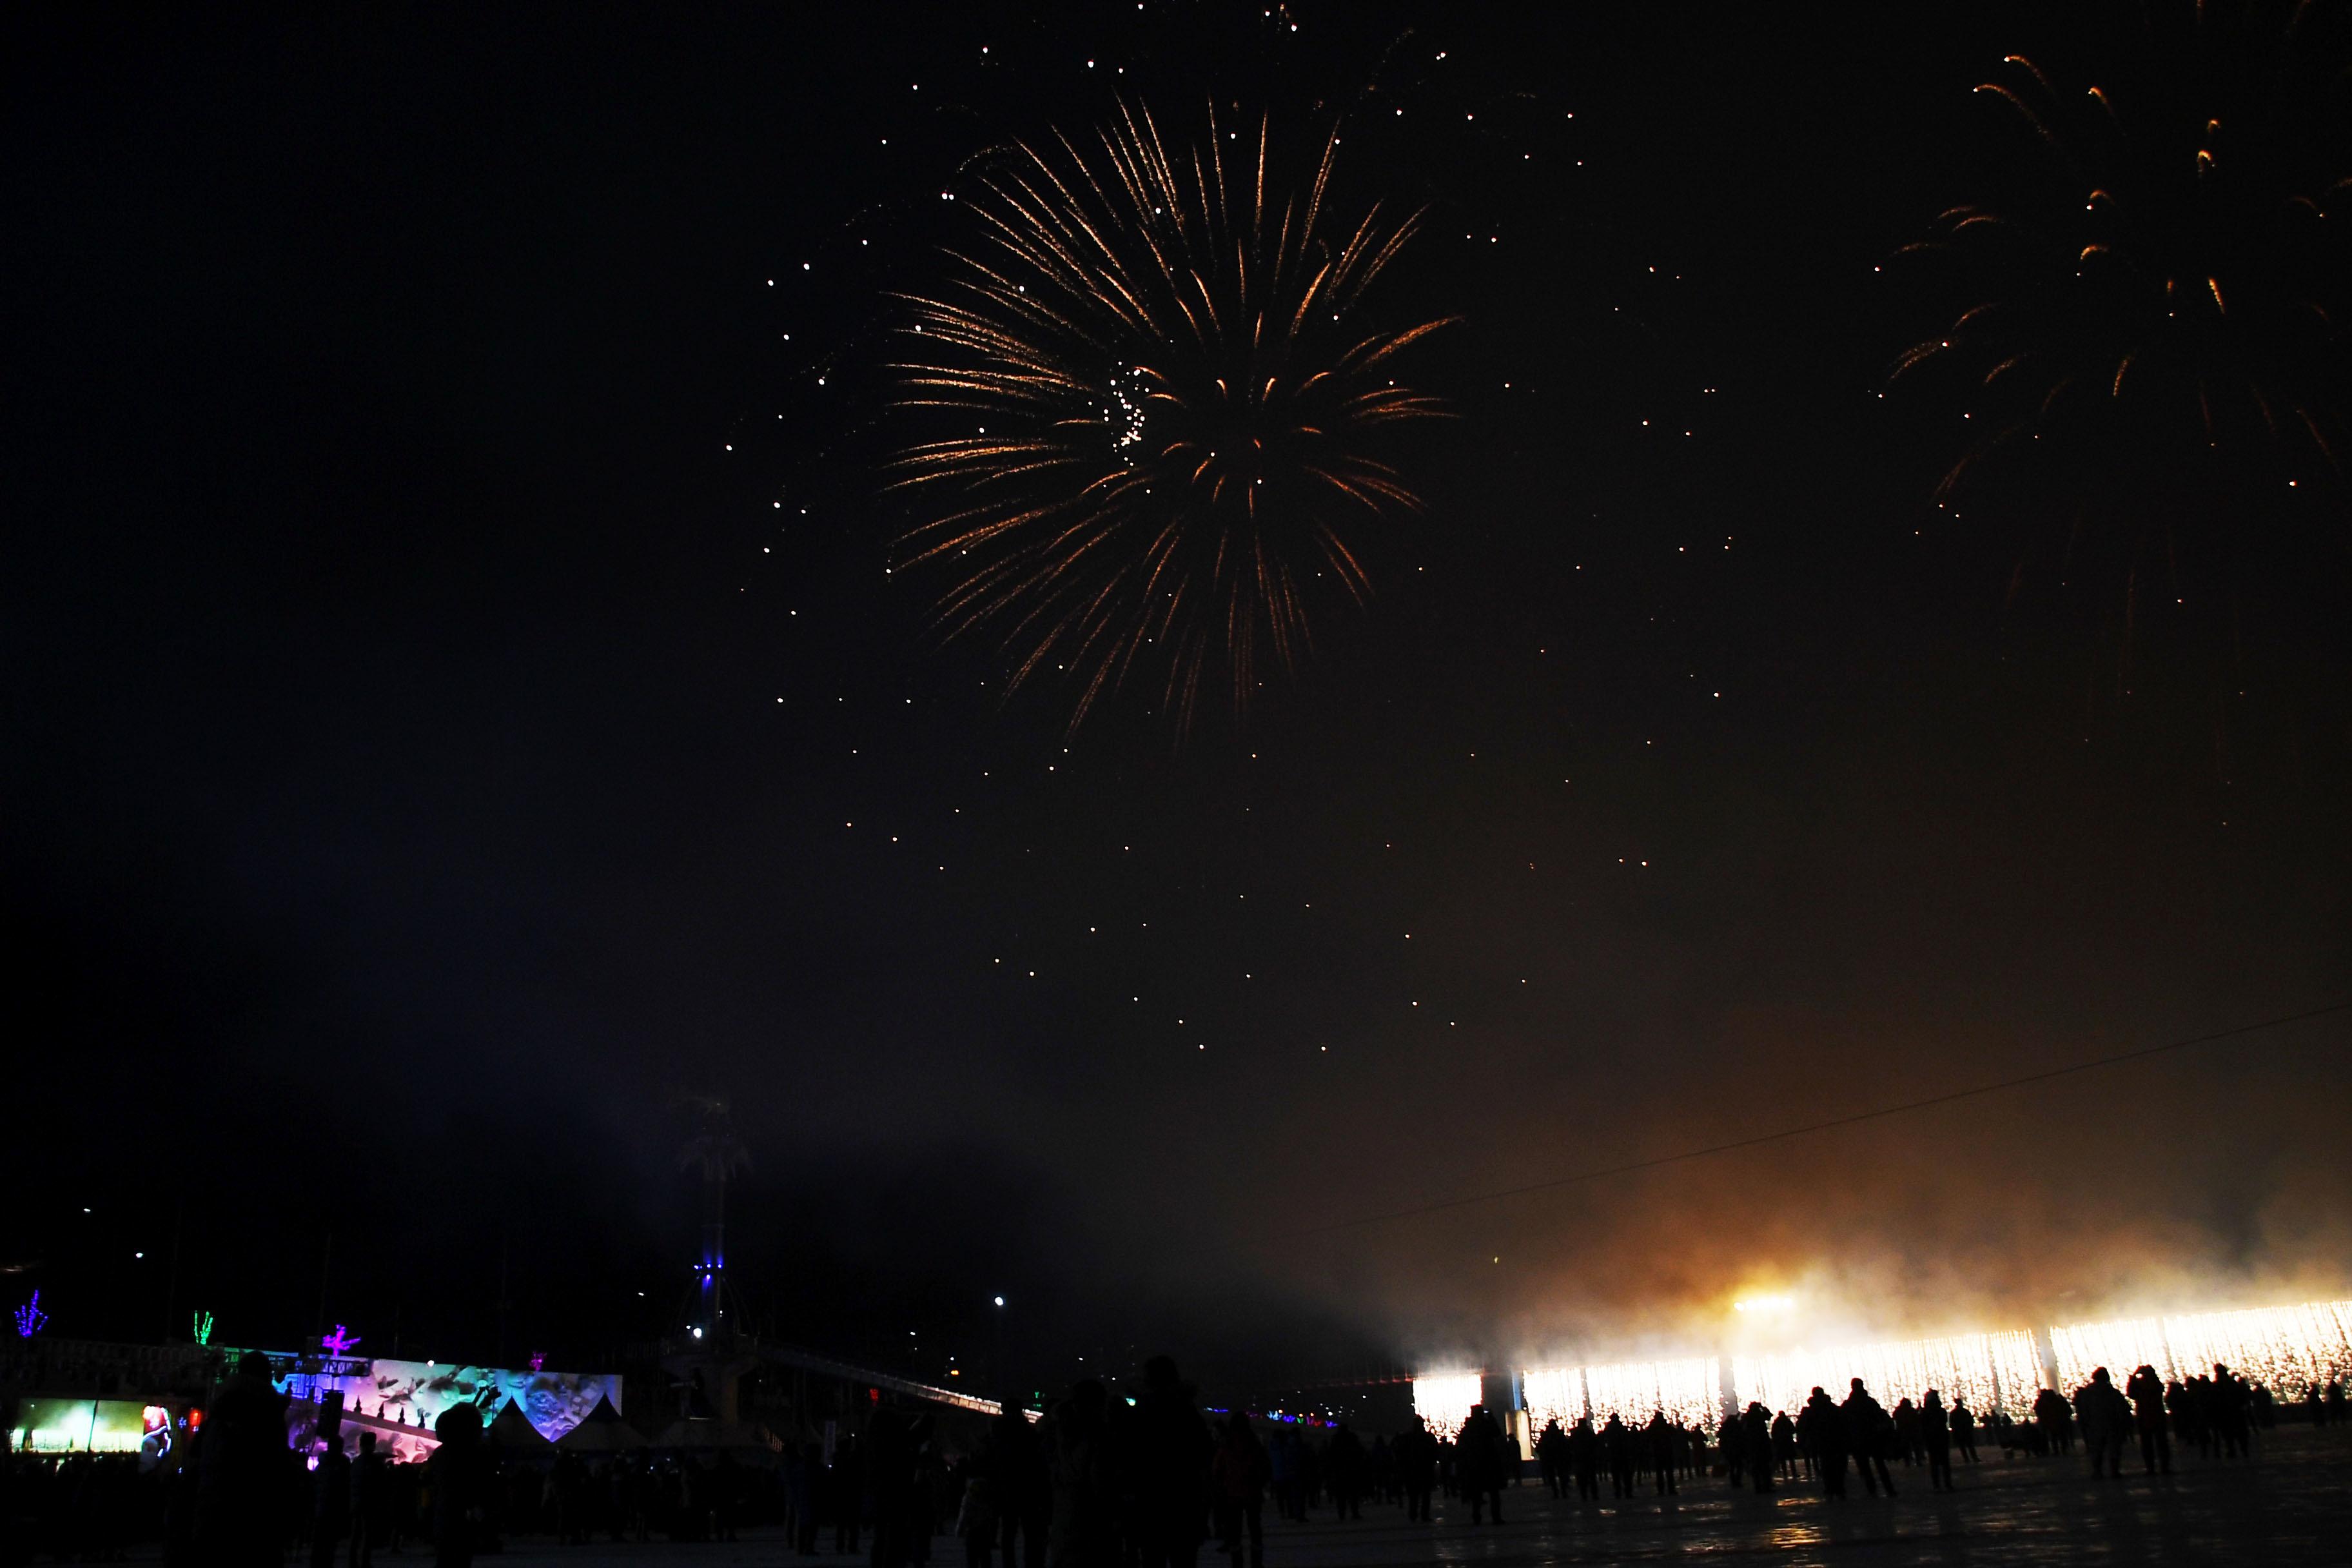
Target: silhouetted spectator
{"points": [[239, 1520], [845, 1493], [2232, 1415], [1964, 1429], [1345, 1463], [1478, 1461], [1237, 1477], [1936, 1440], [1661, 1435], [1416, 1459], [1551, 1454], [2105, 1416], [330, 1516], [458, 1491], [1584, 1459], [1078, 1457], [1869, 1432], [2145, 1390], [1821, 1427], [1617, 1444], [1756, 1440], [1170, 1447], [976, 1516]]}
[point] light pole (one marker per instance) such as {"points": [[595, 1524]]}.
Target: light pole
{"points": [[996, 1367]]}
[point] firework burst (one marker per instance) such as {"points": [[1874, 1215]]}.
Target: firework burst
{"points": [[2170, 278], [1155, 406]]}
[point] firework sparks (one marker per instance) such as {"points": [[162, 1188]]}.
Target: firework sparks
{"points": [[1156, 402], [1991, 1371], [2165, 279], [1445, 1401]]}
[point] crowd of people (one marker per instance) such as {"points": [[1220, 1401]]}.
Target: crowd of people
{"points": [[1139, 1479]]}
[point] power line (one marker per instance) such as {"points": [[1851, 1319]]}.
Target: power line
{"points": [[2044, 1077]]}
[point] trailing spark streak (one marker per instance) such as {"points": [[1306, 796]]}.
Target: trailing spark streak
{"points": [[1167, 407]]}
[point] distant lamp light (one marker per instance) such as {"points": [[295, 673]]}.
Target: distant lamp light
{"points": [[999, 1300], [697, 1330]]}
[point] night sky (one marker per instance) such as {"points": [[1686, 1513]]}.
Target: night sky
{"points": [[455, 701]]}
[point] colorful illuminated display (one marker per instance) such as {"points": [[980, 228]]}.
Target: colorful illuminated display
{"points": [[200, 1324], [30, 1319], [413, 1394], [1444, 1402]]}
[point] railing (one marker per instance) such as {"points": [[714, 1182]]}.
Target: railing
{"points": [[101, 1369]]}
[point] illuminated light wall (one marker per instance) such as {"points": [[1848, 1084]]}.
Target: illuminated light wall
{"points": [[1553, 1394], [1444, 1402], [1690, 1390], [2119, 1345], [2289, 1348], [1991, 1371]]}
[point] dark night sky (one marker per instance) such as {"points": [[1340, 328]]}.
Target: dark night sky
{"points": [[429, 746]]}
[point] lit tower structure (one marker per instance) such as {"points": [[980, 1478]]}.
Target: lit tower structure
{"points": [[714, 1150]]}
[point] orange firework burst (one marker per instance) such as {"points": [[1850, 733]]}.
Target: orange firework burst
{"points": [[2168, 278], [1163, 403]]}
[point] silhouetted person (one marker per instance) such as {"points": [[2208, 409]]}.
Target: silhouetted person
{"points": [[1936, 1440], [1416, 1463], [889, 1451], [1755, 1441], [844, 1492], [370, 1501], [1731, 1443], [1082, 1532], [239, 1520], [457, 1485], [1869, 1432], [976, 1513], [2051, 1415], [1661, 1435], [2232, 1413], [2145, 1390], [1478, 1460], [2105, 1416], [1785, 1448], [1617, 1444], [1552, 1453], [1170, 1449], [1237, 1477], [1024, 1492], [1907, 1431], [1964, 1429], [1584, 1459], [330, 1505], [1345, 1462], [1821, 1427]]}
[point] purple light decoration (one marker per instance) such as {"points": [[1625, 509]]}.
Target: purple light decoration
{"points": [[30, 1319], [538, 1360], [339, 1342]]}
